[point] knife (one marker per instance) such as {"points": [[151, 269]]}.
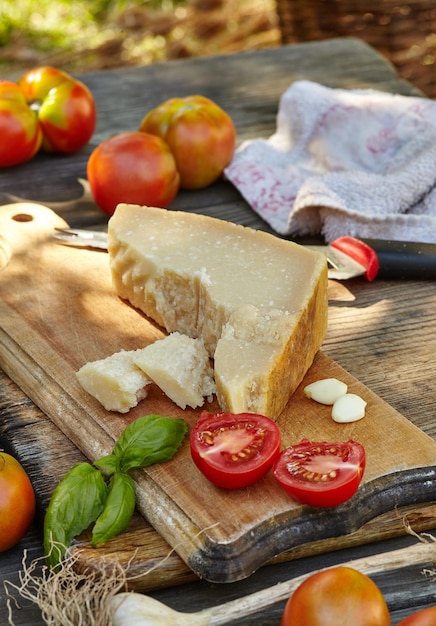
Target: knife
{"points": [[380, 258], [347, 257]]}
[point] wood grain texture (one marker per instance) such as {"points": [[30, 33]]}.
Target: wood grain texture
{"points": [[27, 433], [403, 324], [62, 312]]}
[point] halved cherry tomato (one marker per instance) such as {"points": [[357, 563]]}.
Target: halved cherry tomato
{"points": [[426, 617], [234, 451], [337, 596], [321, 473]]}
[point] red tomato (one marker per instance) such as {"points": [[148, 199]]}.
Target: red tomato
{"points": [[64, 105], [132, 167], [20, 132], [426, 617], [200, 134], [320, 473], [234, 451], [337, 596], [17, 502]]}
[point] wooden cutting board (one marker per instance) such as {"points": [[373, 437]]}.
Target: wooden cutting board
{"points": [[58, 311]]}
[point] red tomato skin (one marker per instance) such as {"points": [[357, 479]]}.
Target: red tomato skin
{"points": [[201, 136], [426, 617], [17, 502], [68, 117], [20, 131], [316, 492], [212, 463], [65, 107], [132, 167], [37, 82], [340, 596]]}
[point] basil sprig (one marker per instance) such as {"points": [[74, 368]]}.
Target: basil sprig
{"points": [[104, 492], [118, 509], [147, 440]]}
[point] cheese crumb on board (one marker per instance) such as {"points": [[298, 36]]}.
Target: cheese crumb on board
{"points": [[180, 367], [258, 302], [116, 382]]}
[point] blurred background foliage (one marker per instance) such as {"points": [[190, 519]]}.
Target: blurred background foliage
{"points": [[85, 35]]}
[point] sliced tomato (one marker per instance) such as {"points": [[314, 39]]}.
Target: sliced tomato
{"points": [[234, 451], [320, 473]]}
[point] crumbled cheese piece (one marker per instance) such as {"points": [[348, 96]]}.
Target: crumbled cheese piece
{"points": [[180, 366], [116, 382]]}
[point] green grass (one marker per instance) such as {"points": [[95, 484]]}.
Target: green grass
{"points": [[51, 25]]}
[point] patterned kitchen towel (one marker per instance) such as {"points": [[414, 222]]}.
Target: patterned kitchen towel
{"points": [[344, 162]]}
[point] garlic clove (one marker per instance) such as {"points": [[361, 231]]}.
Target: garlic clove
{"points": [[348, 408], [326, 391]]}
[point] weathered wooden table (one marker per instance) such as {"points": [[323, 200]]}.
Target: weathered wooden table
{"points": [[383, 333]]}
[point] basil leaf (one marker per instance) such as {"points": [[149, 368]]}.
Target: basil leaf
{"points": [[108, 464], [118, 509], [76, 502], [147, 440]]}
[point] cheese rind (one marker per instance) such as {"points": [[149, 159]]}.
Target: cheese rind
{"points": [[258, 302], [116, 382], [180, 367]]}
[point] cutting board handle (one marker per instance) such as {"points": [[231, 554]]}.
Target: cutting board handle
{"points": [[22, 224]]}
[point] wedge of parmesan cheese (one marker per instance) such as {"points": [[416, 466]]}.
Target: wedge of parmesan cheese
{"points": [[258, 302], [180, 366], [116, 382]]}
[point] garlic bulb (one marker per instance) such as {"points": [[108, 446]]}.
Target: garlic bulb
{"points": [[135, 609]]}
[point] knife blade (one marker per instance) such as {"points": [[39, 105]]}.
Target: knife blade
{"points": [[348, 257]]}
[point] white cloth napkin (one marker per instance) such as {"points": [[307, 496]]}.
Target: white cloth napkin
{"points": [[344, 162]]}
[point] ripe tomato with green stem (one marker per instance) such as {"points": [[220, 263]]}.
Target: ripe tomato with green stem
{"points": [[17, 502], [339, 596], [234, 450], [320, 473]]}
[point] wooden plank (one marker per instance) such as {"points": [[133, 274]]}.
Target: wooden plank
{"points": [[58, 310], [368, 322], [249, 87], [47, 455]]}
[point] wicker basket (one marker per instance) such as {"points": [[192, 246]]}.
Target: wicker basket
{"points": [[404, 32]]}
